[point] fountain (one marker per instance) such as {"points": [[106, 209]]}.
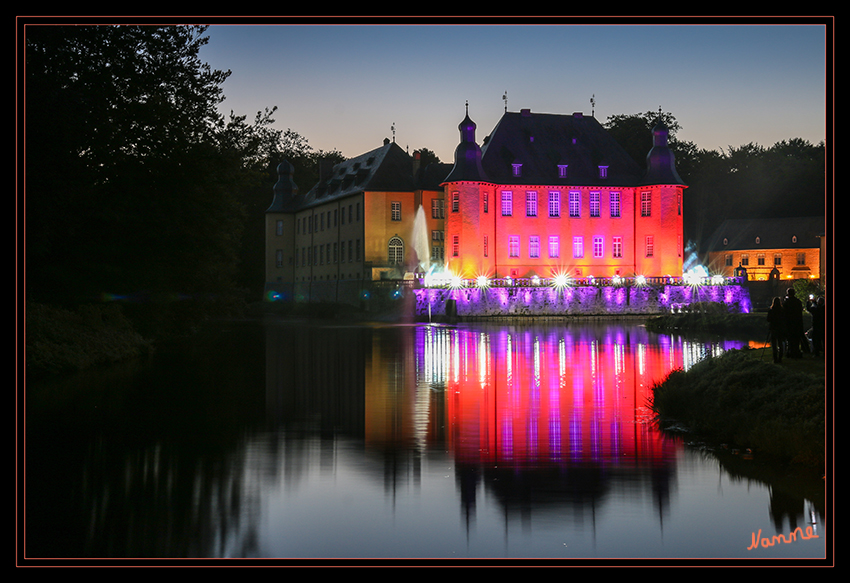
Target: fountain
{"points": [[421, 240]]}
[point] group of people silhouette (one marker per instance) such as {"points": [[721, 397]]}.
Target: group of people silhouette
{"points": [[788, 337]]}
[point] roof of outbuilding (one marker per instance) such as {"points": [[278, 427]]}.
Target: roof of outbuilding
{"points": [[782, 233]]}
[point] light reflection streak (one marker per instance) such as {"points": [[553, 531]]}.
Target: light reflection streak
{"points": [[528, 397]]}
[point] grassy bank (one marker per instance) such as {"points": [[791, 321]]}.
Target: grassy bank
{"points": [[741, 398], [59, 339]]}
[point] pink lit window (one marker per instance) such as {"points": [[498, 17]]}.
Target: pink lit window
{"points": [[554, 246], [578, 247], [614, 202], [597, 247], [645, 204], [594, 204], [513, 246], [617, 246], [575, 204], [507, 203], [534, 246], [554, 204], [650, 245], [455, 245], [531, 204]]}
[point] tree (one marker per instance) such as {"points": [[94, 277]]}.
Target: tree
{"points": [[134, 179], [634, 132]]}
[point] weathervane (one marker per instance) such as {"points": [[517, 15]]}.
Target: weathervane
{"points": [[505, 99], [592, 104], [392, 128]]}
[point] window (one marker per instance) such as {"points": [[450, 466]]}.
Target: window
{"points": [[486, 246], [760, 259], [507, 203], [513, 246], [336, 217], [728, 260], [614, 204], [575, 204], [594, 204], [554, 246], [679, 203], [603, 172], [578, 247], [597, 247], [455, 245], [562, 170], [650, 246], [531, 204], [279, 228], [777, 259], [801, 258], [278, 258], [395, 251], [486, 201], [455, 201], [350, 250], [745, 259], [534, 246], [645, 204], [617, 246], [437, 209], [555, 204], [517, 169], [357, 249], [396, 211], [336, 252]]}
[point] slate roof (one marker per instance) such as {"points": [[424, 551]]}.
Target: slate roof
{"points": [[742, 234], [542, 141], [388, 168]]}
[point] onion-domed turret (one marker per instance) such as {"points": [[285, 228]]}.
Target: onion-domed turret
{"points": [[660, 162], [467, 155]]}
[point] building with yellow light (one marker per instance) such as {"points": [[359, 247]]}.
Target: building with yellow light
{"points": [[780, 249]]}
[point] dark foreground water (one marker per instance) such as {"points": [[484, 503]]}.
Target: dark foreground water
{"points": [[298, 440]]}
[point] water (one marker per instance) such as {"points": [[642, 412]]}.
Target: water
{"points": [[475, 442]]}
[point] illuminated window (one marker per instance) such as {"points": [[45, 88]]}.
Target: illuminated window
{"points": [[507, 203], [578, 247], [517, 169], [597, 247], [486, 246], [777, 259], [531, 204], [513, 246], [745, 259], [555, 204], [801, 258], [396, 211], [650, 246], [554, 246], [617, 246], [437, 209], [594, 204], [562, 170], [455, 201], [395, 251], [645, 204], [534, 246], [603, 172], [455, 245], [486, 201], [575, 204], [615, 204]]}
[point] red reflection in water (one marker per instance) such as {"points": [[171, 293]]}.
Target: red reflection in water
{"points": [[540, 398]]}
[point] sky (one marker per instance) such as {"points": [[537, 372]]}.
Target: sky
{"points": [[346, 86]]}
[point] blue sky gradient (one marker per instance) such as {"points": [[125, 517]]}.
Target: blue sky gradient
{"points": [[344, 86]]}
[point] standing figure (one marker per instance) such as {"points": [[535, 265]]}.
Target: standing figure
{"points": [[793, 309], [776, 325], [816, 309]]}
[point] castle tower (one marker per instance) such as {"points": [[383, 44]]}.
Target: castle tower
{"points": [[280, 235], [659, 247], [468, 234]]}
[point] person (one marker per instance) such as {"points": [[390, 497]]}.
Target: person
{"points": [[816, 309], [776, 325], [793, 309]]}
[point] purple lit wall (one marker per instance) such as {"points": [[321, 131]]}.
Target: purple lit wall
{"points": [[476, 302]]}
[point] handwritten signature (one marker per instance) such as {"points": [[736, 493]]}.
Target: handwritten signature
{"points": [[781, 538]]}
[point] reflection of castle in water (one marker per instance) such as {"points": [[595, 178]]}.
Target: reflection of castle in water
{"points": [[551, 414]]}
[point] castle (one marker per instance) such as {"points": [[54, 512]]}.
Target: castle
{"points": [[543, 195]]}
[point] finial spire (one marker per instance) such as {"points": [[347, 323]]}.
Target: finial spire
{"points": [[505, 99]]}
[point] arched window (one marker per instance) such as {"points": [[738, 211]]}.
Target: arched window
{"points": [[395, 250]]}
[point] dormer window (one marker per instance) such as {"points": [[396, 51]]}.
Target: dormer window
{"points": [[517, 169], [562, 170], [603, 172]]}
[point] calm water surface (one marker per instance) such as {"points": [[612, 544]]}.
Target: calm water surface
{"points": [[300, 440]]}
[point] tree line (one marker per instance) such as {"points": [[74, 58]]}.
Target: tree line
{"points": [[138, 189], [787, 179]]}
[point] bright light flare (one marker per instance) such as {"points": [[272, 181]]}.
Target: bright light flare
{"points": [[482, 281]]}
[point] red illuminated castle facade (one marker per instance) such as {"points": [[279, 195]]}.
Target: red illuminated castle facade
{"points": [[554, 194]]}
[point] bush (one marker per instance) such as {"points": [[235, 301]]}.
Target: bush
{"points": [[59, 340], [739, 399]]}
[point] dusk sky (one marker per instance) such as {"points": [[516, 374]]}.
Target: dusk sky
{"points": [[344, 86]]}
